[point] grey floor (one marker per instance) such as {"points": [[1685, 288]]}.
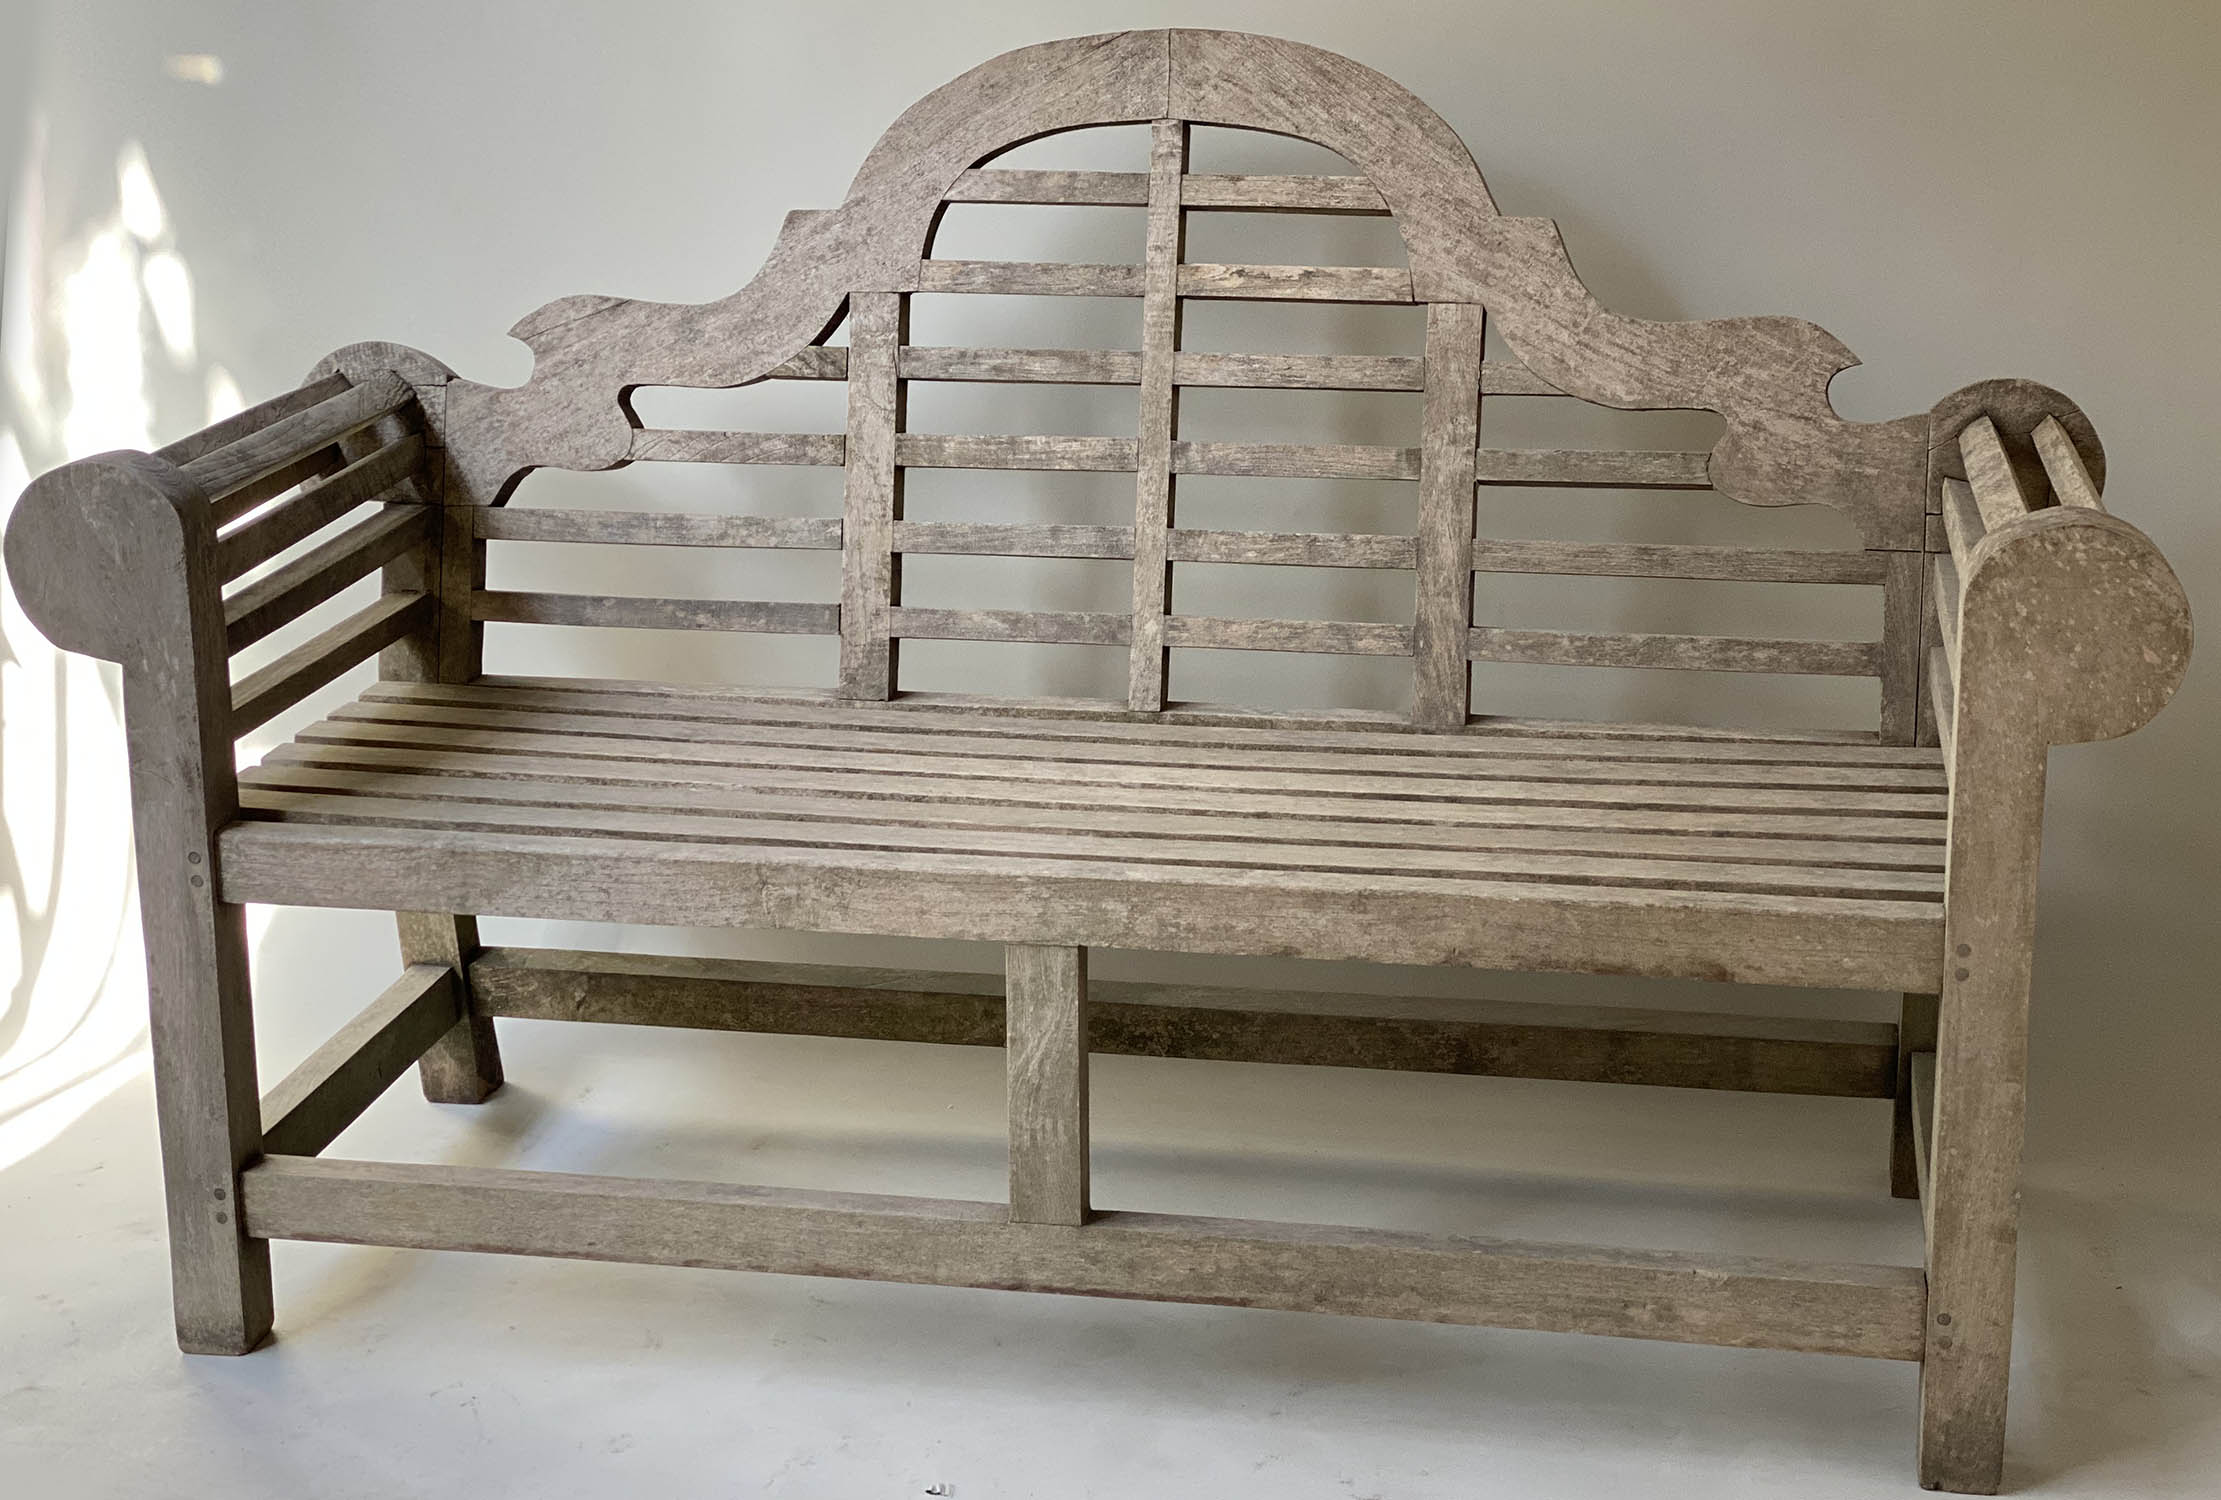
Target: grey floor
{"points": [[432, 1375]]}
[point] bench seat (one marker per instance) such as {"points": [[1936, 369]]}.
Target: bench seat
{"points": [[1770, 860]]}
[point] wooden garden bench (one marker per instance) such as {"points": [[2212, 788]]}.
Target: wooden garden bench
{"points": [[2017, 613]]}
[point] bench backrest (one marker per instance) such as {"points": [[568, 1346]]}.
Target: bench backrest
{"points": [[853, 270]]}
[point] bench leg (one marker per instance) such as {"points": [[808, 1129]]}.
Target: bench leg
{"points": [[1916, 1032], [1046, 1037], [464, 1066]]}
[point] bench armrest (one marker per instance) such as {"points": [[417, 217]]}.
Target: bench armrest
{"points": [[126, 555], [2058, 621]]}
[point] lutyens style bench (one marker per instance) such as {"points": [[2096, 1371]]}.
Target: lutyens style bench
{"points": [[2016, 613]]}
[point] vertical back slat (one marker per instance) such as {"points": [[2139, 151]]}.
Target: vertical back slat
{"points": [[1901, 611], [1158, 419], [872, 500], [1450, 433]]}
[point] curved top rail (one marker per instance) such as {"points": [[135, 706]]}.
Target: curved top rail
{"points": [[1768, 377]]}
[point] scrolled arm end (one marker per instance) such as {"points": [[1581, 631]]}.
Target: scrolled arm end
{"points": [[97, 548], [2072, 627]]}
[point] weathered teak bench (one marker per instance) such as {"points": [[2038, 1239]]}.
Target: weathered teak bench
{"points": [[2018, 614]]}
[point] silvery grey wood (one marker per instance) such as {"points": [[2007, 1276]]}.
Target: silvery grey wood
{"points": [[339, 1080], [233, 475], [462, 1065], [281, 596], [1253, 192], [510, 523], [1442, 607], [1678, 560], [1148, 662], [253, 419], [801, 449], [1594, 1044], [270, 690], [115, 556], [992, 539], [629, 612], [2071, 481], [1909, 1122], [1705, 652], [262, 537], [1739, 1301], [930, 450], [2016, 613], [1047, 1043]]}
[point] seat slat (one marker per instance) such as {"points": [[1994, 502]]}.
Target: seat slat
{"points": [[1739, 936], [1355, 788], [1015, 741], [472, 779], [1526, 865], [1694, 652], [924, 714]]}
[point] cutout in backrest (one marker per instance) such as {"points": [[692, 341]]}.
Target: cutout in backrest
{"points": [[1680, 606], [764, 406], [1019, 408], [1214, 325], [947, 581], [963, 320], [1345, 506], [1077, 234], [655, 572], [1014, 669], [1271, 591], [1291, 682], [1726, 700], [1019, 497], [1583, 514], [1091, 148], [689, 489], [1228, 414], [703, 656]]}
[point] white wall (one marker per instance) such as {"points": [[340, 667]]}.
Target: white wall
{"points": [[1956, 192]]}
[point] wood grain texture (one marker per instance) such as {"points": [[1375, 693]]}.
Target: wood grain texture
{"points": [[270, 690], [624, 611], [1148, 665], [282, 596], [463, 1064], [1046, 1037], [1694, 1298], [1699, 652], [1592, 1044], [115, 556], [510, 523], [1442, 608], [339, 1080]]}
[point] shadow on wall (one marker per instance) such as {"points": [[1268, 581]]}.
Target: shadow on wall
{"points": [[97, 337]]}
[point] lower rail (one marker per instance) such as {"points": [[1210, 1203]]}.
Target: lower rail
{"points": [[1870, 1310]]}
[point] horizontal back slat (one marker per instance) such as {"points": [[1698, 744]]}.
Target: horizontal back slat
{"points": [[664, 445], [1043, 627], [1331, 637], [654, 528], [981, 539], [1560, 648], [1662, 560], [1265, 193], [625, 611]]}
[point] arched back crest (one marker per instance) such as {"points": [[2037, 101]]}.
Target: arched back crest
{"points": [[1768, 377]]}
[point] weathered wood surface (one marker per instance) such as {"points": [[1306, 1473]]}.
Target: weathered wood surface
{"points": [[270, 690], [1047, 1040], [1442, 608], [1569, 1043], [510, 523], [1148, 662], [1703, 652], [115, 556], [285, 594], [339, 1080], [463, 1064], [1695, 1298], [630, 612]]}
